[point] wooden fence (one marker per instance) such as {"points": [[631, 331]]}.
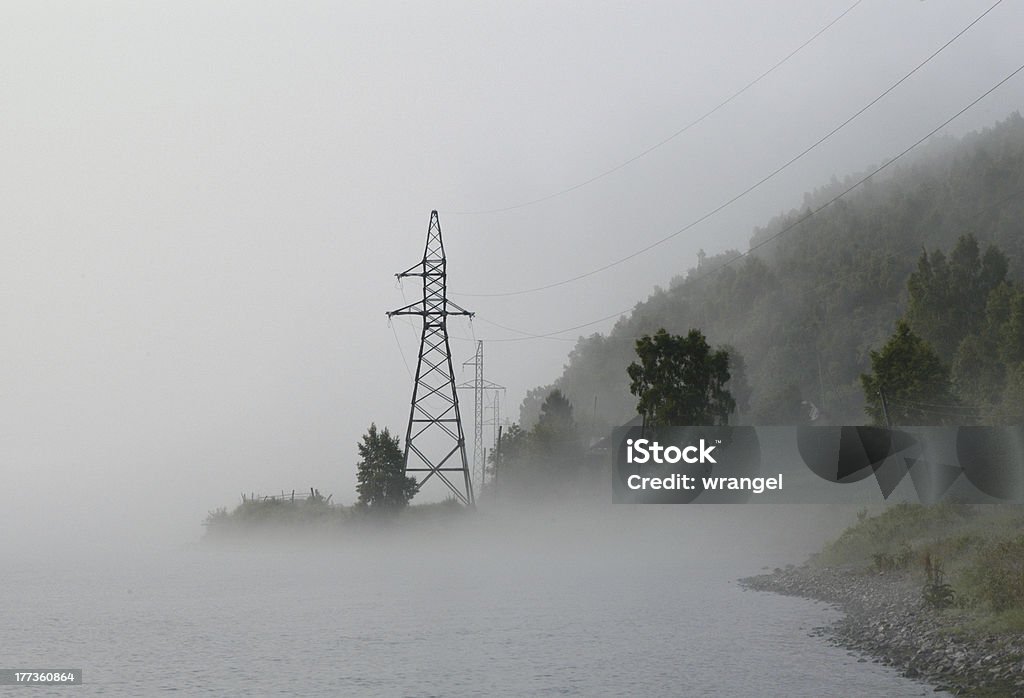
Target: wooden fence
{"points": [[287, 496]]}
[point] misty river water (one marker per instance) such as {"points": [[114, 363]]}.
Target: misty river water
{"points": [[644, 604]]}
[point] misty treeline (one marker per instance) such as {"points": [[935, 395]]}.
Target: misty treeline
{"points": [[957, 356], [937, 244], [676, 379], [546, 460]]}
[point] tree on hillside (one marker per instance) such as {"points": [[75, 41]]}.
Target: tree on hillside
{"points": [[529, 410], [977, 373], [381, 479], [738, 385], [543, 461], [556, 425], [556, 442], [806, 308], [1010, 410], [506, 461], [680, 380], [781, 402], [948, 295], [985, 360], [914, 381], [1005, 322]]}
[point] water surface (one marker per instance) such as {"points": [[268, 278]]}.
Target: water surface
{"points": [[641, 603]]}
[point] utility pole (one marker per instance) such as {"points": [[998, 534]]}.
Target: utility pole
{"points": [[434, 441], [479, 385], [495, 419], [885, 407], [495, 423], [497, 462]]}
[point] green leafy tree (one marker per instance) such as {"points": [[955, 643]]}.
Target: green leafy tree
{"points": [[529, 410], [948, 296], [680, 380], [542, 461], [738, 384], [977, 373], [915, 382], [556, 443], [513, 447], [381, 479], [1010, 410], [985, 359], [555, 432], [1004, 322]]}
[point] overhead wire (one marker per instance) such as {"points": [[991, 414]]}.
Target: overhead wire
{"points": [[746, 191], [775, 236], [669, 138], [530, 335], [400, 351], [934, 411], [925, 406], [952, 405]]}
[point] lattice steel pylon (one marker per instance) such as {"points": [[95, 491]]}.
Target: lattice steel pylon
{"points": [[434, 441], [479, 385]]}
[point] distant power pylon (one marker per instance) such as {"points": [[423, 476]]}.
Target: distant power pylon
{"points": [[479, 385], [434, 441]]}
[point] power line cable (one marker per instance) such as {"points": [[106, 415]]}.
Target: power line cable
{"points": [[915, 403], [933, 411], [399, 344], [673, 136], [746, 191], [833, 279], [771, 238]]}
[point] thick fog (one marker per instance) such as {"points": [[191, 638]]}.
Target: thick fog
{"points": [[205, 204]]}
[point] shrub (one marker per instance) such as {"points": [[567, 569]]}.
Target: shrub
{"points": [[937, 593], [997, 576], [883, 539]]}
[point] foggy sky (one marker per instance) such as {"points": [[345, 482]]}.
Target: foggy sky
{"points": [[204, 206]]}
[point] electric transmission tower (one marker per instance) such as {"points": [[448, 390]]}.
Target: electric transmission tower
{"points": [[479, 385], [434, 441]]}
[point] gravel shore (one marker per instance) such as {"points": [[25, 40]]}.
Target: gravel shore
{"points": [[886, 618]]}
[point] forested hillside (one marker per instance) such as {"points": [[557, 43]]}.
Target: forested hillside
{"points": [[803, 309]]}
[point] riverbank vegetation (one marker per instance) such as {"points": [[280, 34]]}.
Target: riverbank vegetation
{"points": [[968, 560], [313, 514], [935, 591]]}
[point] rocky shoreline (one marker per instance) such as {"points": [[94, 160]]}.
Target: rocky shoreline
{"points": [[886, 618]]}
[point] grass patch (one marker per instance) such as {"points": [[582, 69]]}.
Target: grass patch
{"points": [[995, 575], [968, 560], [256, 516], [895, 538]]}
